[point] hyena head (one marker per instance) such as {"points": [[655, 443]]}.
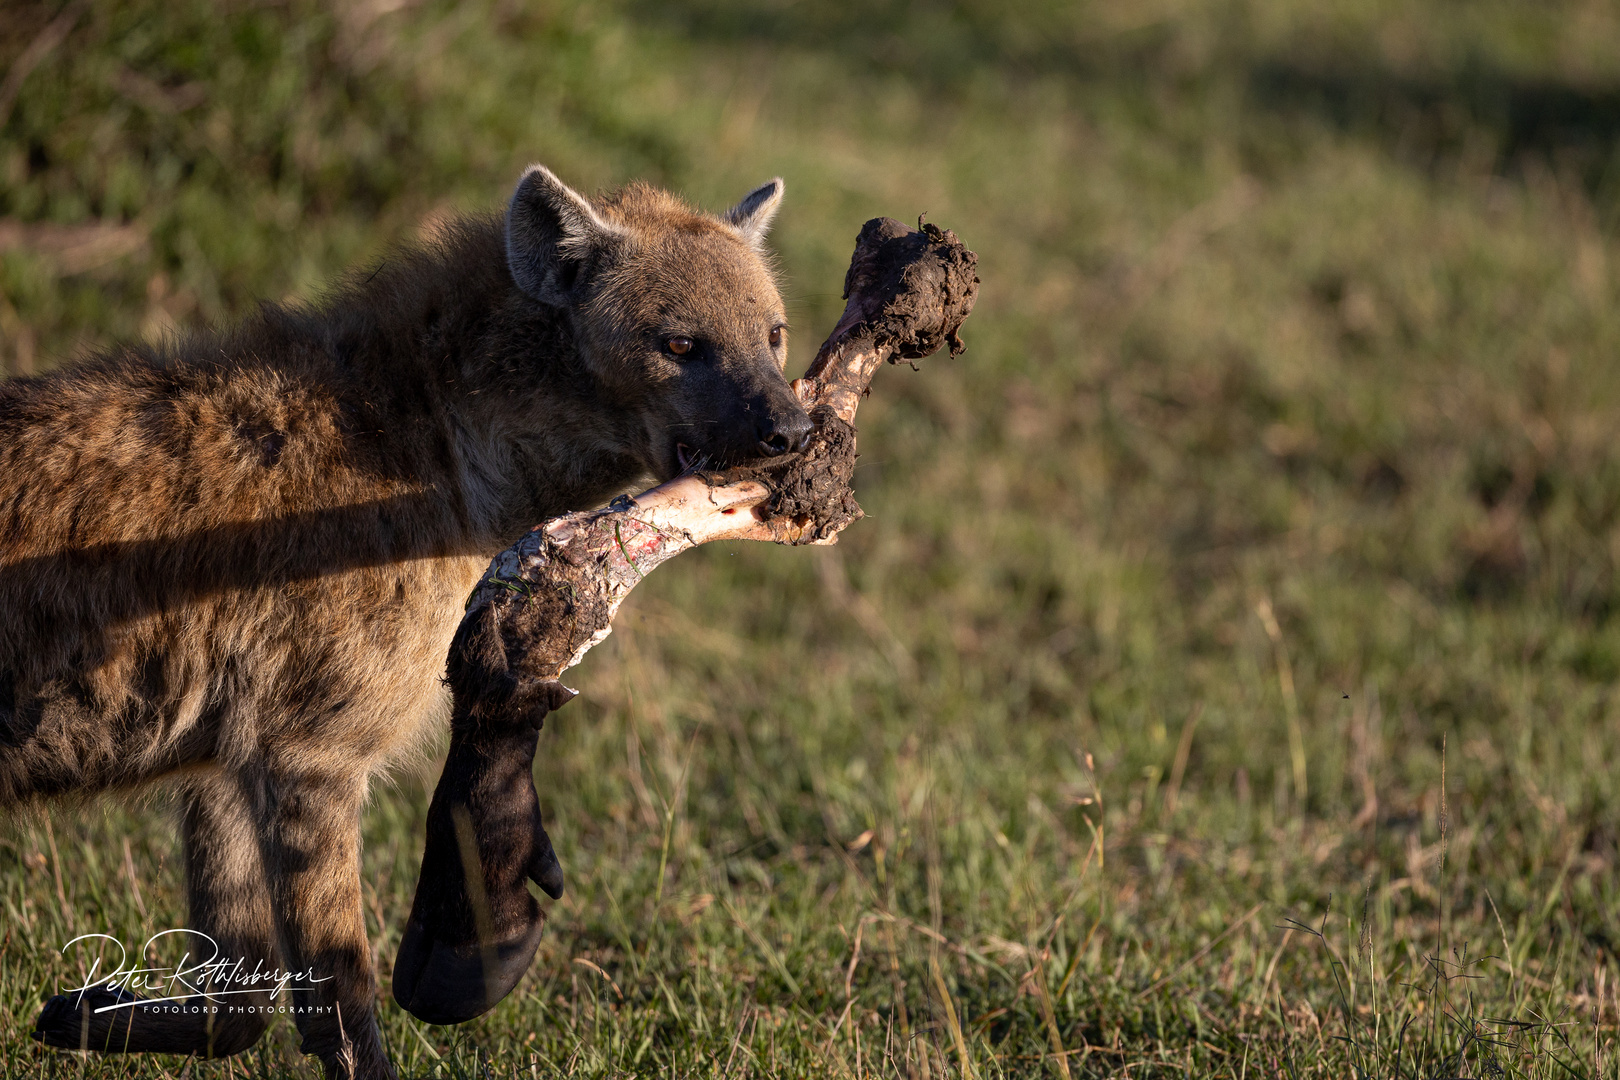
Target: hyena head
{"points": [[675, 314]]}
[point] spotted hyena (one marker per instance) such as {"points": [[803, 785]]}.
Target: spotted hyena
{"points": [[235, 561]]}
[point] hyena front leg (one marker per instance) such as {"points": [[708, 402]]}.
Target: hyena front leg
{"points": [[232, 923], [310, 835]]}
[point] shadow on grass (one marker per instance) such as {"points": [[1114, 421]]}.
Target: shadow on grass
{"points": [[1438, 115], [1427, 115]]}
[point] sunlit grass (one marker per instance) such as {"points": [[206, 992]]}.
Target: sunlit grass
{"points": [[1271, 511]]}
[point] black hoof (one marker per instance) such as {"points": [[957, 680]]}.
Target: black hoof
{"points": [[544, 869], [442, 983]]}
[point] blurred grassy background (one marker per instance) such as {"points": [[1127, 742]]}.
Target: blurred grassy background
{"points": [[1267, 533]]}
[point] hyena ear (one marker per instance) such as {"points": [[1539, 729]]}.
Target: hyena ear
{"points": [[553, 234], [752, 216]]}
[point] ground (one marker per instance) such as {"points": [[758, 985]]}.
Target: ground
{"points": [[1223, 681]]}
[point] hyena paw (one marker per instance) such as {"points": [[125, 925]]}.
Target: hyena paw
{"points": [[117, 1021], [73, 1022]]}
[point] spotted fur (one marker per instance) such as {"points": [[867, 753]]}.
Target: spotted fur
{"points": [[236, 560]]}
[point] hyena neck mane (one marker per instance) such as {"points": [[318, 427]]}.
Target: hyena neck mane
{"points": [[443, 376]]}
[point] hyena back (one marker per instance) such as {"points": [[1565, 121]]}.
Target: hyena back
{"points": [[236, 561]]}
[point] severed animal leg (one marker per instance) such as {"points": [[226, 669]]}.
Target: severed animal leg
{"points": [[550, 597]]}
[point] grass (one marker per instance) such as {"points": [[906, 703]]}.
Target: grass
{"points": [[1223, 683]]}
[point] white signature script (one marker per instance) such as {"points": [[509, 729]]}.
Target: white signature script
{"points": [[213, 979]]}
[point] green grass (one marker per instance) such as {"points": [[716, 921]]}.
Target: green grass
{"points": [[1257, 563]]}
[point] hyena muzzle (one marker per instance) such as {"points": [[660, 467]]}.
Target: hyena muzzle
{"points": [[233, 562]]}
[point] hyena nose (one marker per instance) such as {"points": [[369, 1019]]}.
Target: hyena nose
{"points": [[781, 435]]}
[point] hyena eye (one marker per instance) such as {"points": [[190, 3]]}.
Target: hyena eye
{"points": [[776, 337], [678, 345]]}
